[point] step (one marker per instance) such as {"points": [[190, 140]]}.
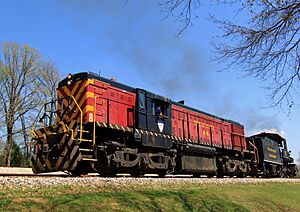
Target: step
{"points": [[88, 140], [84, 131], [89, 159], [86, 150]]}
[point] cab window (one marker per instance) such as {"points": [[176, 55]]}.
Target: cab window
{"points": [[159, 108], [142, 101]]}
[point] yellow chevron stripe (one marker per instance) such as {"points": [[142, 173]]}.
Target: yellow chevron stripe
{"points": [[58, 162], [48, 164], [71, 155], [66, 90], [86, 95], [39, 164], [76, 96]]}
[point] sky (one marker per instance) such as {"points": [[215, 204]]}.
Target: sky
{"points": [[133, 43]]}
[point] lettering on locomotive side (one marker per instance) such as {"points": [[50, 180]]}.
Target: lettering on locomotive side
{"points": [[203, 124], [271, 150], [272, 156]]}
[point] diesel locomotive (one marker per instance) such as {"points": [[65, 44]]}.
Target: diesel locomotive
{"points": [[100, 125]]}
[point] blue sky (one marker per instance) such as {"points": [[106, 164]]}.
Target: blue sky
{"points": [[131, 43]]}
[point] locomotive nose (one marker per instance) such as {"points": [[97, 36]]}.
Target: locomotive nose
{"points": [[55, 149]]}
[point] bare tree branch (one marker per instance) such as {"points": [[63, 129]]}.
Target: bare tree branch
{"points": [[266, 48]]}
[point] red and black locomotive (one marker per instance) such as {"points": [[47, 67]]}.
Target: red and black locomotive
{"points": [[100, 125]]}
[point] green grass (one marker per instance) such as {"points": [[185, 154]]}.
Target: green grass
{"points": [[161, 197]]}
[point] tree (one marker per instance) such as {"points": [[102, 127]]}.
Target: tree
{"points": [[266, 48], [20, 67], [47, 78], [181, 10], [2, 147]]}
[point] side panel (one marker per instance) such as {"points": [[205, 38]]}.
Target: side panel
{"points": [[226, 134], [205, 134], [271, 151], [113, 105], [200, 128], [193, 127], [179, 122], [216, 134], [198, 164], [100, 96], [238, 138], [121, 105]]}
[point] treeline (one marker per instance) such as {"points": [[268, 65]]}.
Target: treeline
{"points": [[27, 81]]}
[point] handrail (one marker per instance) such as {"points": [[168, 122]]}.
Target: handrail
{"points": [[81, 117], [33, 133], [94, 130], [65, 127], [33, 125], [256, 156]]}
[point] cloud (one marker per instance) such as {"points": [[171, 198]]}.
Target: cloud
{"points": [[133, 34], [177, 68], [269, 130], [251, 116]]}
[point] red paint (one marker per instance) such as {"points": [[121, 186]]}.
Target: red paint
{"points": [[207, 130], [113, 105]]}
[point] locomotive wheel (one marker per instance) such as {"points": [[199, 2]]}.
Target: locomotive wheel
{"points": [[210, 175], [280, 174], [136, 172], [77, 173], [231, 175], [161, 173], [241, 175], [102, 166], [197, 175], [108, 174], [220, 174], [81, 169]]}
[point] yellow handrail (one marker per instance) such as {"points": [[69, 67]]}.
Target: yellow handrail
{"points": [[65, 127], [81, 117], [94, 130]]}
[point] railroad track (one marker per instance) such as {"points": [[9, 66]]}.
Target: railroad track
{"points": [[33, 175], [27, 172], [66, 175]]}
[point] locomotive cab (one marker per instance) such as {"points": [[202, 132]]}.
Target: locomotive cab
{"points": [[153, 116]]}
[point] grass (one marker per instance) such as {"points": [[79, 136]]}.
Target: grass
{"points": [[163, 197]]}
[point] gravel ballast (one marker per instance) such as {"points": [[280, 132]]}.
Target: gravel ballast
{"points": [[19, 181], [96, 181]]}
